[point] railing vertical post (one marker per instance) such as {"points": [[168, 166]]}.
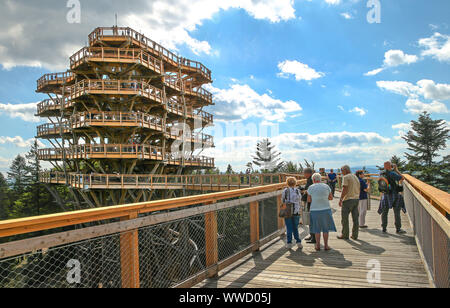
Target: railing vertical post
{"points": [[280, 220], [211, 245], [254, 224], [129, 256]]}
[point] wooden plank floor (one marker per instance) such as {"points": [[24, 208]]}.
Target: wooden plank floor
{"points": [[346, 265]]}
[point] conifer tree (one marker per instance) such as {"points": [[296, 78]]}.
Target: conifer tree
{"points": [[266, 157], [4, 198], [425, 139]]}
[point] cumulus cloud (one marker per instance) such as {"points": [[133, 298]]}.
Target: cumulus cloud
{"points": [[402, 129], [393, 58], [329, 148], [428, 89], [22, 111], [29, 38], [240, 102], [299, 70], [19, 141], [415, 106], [436, 46]]}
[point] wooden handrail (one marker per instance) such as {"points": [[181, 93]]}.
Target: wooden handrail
{"points": [[438, 198], [47, 222]]}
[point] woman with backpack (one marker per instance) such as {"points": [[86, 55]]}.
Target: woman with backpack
{"points": [[290, 211]]}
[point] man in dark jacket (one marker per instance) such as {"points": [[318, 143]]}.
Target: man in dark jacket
{"points": [[393, 199], [308, 174]]}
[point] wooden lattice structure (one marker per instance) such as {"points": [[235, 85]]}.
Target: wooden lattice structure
{"points": [[127, 106]]}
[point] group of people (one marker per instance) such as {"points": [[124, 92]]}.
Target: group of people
{"points": [[315, 199]]}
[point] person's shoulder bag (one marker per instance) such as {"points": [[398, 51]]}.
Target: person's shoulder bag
{"points": [[288, 210]]}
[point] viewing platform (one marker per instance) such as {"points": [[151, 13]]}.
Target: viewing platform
{"points": [[121, 151], [231, 238]]}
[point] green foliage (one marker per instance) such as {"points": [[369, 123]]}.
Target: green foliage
{"points": [[426, 138], [399, 162], [4, 198], [23, 195]]}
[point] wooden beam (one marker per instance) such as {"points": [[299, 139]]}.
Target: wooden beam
{"points": [[280, 220], [254, 223], [129, 256], [211, 246]]}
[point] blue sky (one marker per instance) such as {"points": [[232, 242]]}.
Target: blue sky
{"points": [[335, 88]]}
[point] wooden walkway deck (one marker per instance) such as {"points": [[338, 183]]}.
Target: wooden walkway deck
{"points": [[346, 265]]}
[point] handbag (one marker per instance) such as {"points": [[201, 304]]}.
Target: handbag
{"points": [[288, 210]]}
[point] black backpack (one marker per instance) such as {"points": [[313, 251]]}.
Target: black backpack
{"points": [[386, 184]]}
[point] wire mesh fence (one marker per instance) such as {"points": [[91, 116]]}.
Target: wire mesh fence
{"points": [[172, 252], [233, 226], [94, 263], [156, 255]]}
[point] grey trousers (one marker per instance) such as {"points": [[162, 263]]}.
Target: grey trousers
{"points": [[350, 207]]}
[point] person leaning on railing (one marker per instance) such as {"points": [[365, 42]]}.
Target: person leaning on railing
{"points": [[392, 199], [291, 195]]}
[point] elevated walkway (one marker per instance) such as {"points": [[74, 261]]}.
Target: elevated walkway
{"points": [[346, 265], [223, 239]]}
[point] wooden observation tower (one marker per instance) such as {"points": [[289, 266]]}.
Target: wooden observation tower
{"points": [[125, 115]]}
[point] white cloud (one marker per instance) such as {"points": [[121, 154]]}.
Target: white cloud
{"points": [[399, 87], [415, 106], [393, 58], [19, 141], [170, 23], [300, 70], [22, 111], [436, 46], [329, 149], [346, 15], [333, 2], [426, 88], [374, 72], [359, 111], [402, 128], [340, 108], [430, 90], [240, 102]]}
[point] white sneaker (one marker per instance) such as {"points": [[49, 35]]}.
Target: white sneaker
{"points": [[299, 246], [288, 246]]}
